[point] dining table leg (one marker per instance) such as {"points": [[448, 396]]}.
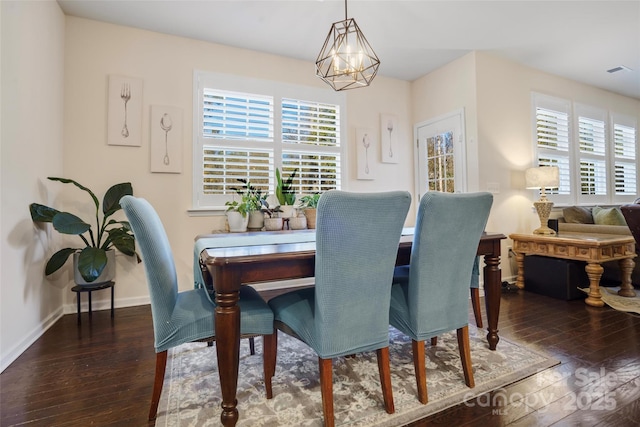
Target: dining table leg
{"points": [[492, 289], [227, 318]]}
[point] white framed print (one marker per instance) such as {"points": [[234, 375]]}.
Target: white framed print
{"points": [[365, 153], [124, 115], [166, 139], [389, 139]]}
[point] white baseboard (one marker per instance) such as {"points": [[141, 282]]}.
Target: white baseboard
{"points": [[10, 356], [105, 304]]}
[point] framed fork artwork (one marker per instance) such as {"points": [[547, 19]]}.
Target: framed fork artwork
{"points": [[124, 115]]}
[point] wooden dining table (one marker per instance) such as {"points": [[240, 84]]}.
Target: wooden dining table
{"points": [[279, 257]]}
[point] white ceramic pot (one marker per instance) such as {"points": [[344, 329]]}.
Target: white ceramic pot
{"points": [[107, 275], [256, 220], [287, 211], [298, 223], [237, 222]]}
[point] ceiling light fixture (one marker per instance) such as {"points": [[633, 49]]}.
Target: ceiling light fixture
{"points": [[346, 60]]}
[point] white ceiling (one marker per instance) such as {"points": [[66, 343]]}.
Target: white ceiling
{"points": [[575, 39]]}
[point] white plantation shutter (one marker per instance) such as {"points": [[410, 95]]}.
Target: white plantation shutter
{"points": [[592, 154], [310, 123], [311, 143], [625, 180], [234, 115], [552, 134], [223, 165], [246, 128]]}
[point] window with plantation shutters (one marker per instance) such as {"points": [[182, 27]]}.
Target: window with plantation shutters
{"points": [[595, 150], [246, 128], [625, 160]]}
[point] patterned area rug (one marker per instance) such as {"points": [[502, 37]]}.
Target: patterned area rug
{"points": [[612, 299], [191, 393]]}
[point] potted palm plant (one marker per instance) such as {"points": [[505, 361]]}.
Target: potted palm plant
{"points": [[94, 262]]}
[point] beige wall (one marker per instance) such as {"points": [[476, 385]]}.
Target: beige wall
{"points": [[505, 130], [95, 50], [32, 36], [496, 96]]}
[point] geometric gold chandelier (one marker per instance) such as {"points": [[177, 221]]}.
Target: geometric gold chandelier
{"points": [[346, 60]]}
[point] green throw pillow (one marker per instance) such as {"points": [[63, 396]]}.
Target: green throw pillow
{"points": [[577, 215], [608, 216]]}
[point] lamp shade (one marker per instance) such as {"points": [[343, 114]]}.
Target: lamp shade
{"points": [[542, 177]]}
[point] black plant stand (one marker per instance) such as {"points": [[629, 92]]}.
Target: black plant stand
{"points": [[78, 289]]}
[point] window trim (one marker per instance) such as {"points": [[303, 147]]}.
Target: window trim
{"points": [[278, 90]]}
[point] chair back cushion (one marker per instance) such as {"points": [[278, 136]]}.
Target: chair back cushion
{"points": [[155, 250], [448, 229], [357, 237]]}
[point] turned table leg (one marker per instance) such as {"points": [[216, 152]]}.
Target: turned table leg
{"points": [[520, 263], [594, 271], [626, 267]]}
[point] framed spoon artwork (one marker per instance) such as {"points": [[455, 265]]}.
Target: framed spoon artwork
{"points": [[389, 141], [366, 153], [166, 139], [124, 115]]}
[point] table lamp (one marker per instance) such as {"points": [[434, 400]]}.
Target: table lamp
{"points": [[541, 178]]}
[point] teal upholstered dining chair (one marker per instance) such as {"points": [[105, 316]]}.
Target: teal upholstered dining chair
{"points": [[435, 298], [401, 275], [186, 316], [357, 237]]}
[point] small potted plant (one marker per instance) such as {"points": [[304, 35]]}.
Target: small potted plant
{"points": [[249, 208], [273, 222], [285, 193], [94, 262], [309, 205]]}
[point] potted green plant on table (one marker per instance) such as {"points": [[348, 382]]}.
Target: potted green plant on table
{"points": [[272, 222], [309, 205], [246, 213], [285, 193], [95, 261]]}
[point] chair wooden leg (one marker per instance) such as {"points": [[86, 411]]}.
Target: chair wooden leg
{"points": [[385, 379], [434, 341], [475, 303], [269, 353], [252, 346], [419, 365], [465, 355], [326, 388], [161, 365]]}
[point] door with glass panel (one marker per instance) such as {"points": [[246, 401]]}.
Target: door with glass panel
{"points": [[441, 155]]}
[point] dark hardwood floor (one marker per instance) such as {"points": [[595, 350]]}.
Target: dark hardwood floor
{"points": [[101, 373]]}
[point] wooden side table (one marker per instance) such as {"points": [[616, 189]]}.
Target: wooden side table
{"points": [[594, 249], [79, 289]]}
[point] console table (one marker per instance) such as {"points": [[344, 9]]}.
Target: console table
{"points": [[594, 249]]}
